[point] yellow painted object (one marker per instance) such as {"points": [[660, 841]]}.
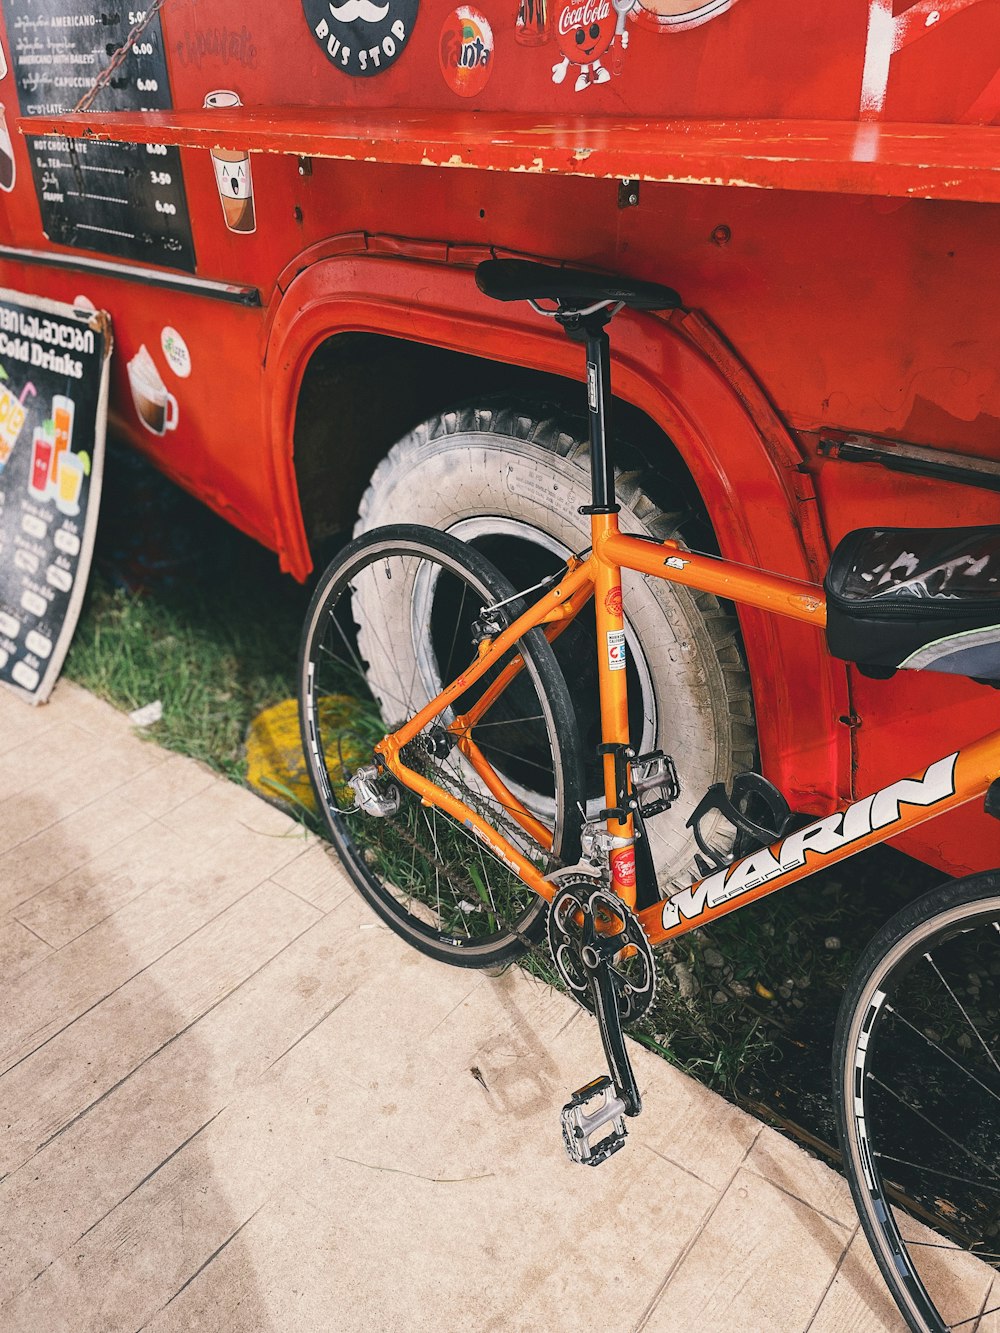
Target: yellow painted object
{"points": [[276, 767]]}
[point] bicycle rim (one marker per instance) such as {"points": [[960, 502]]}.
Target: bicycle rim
{"points": [[918, 1090], [393, 621]]}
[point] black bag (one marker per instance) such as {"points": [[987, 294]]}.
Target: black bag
{"points": [[921, 598]]}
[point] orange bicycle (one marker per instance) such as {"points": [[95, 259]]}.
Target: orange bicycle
{"points": [[445, 748]]}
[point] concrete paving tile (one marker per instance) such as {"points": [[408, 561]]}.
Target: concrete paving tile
{"points": [[276, 1018], [69, 702], [784, 1164], [317, 876], [64, 846], [761, 1264], [18, 721], [225, 802], [857, 1301], [84, 1061], [19, 949], [60, 987], [105, 884], [702, 1132], [36, 758], [174, 781]]}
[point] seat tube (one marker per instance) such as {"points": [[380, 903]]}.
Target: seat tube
{"points": [[611, 659]]}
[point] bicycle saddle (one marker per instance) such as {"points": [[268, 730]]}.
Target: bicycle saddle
{"points": [[524, 280]]}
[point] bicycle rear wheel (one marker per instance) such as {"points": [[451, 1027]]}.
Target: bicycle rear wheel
{"points": [[392, 622], [917, 1085]]}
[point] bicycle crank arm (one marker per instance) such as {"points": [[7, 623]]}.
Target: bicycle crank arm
{"points": [[612, 1037], [619, 1094]]}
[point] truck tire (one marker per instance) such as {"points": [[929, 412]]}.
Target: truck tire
{"points": [[511, 482]]}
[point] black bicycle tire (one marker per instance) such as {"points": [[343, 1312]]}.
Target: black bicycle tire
{"points": [[890, 952], [410, 538]]}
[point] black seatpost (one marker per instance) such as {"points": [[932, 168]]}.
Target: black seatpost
{"points": [[591, 331]]}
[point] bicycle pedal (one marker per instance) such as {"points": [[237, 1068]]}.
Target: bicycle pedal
{"points": [[579, 1125], [655, 772]]}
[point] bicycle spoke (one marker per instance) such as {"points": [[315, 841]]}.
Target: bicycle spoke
{"points": [[962, 1011], [941, 1051], [936, 1171]]}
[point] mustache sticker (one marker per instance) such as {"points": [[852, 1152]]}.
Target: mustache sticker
{"points": [[359, 9], [361, 38]]}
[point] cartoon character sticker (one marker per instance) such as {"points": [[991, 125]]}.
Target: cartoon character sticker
{"points": [[584, 33], [466, 51], [232, 172], [3, 62]]}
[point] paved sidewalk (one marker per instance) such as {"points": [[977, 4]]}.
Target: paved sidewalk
{"points": [[232, 1100]]}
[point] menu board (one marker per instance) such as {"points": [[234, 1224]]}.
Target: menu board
{"points": [[127, 200], [53, 411]]}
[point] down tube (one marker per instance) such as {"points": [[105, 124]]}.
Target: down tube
{"points": [[947, 783]]}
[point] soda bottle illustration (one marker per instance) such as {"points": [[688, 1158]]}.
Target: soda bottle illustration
{"points": [[531, 27]]}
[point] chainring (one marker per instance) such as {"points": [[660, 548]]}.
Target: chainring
{"points": [[584, 915]]}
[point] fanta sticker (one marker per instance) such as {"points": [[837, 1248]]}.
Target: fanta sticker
{"points": [[466, 51]]}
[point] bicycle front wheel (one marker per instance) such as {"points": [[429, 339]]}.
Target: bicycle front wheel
{"points": [[394, 619], [917, 1084]]}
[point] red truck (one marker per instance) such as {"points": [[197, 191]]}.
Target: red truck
{"points": [[282, 211]]}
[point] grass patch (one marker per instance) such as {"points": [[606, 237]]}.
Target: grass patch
{"points": [[184, 609]]}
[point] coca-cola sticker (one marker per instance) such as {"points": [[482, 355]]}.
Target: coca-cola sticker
{"points": [[585, 32], [361, 37], [466, 51]]}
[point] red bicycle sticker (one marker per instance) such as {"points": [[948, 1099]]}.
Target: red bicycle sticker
{"points": [[613, 601], [623, 867]]}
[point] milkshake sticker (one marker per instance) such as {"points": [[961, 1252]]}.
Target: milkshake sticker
{"points": [[361, 37], [466, 51], [232, 173], [156, 406]]}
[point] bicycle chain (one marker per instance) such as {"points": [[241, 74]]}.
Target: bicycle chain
{"points": [[105, 76]]}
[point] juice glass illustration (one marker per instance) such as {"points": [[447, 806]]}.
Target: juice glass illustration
{"points": [[8, 170], [70, 484], [42, 447], [62, 419], [12, 414], [232, 173]]}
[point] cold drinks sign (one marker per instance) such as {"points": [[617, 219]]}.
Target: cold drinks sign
{"points": [[53, 410]]}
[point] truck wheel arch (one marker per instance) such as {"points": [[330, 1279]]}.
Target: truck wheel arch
{"points": [[677, 372]]}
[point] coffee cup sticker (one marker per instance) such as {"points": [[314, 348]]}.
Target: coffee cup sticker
{"points": [[8, 170], [232, 173], [156, 406]]}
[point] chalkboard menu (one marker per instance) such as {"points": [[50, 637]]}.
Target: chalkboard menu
{"points": [[127, 200], [53, 410]]}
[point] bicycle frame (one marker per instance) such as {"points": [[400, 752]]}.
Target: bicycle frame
{"points": [[947, 783]]}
